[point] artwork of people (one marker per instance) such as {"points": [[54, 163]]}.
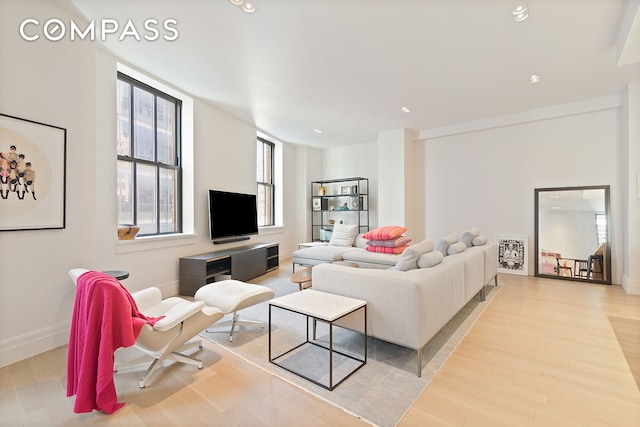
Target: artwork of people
{"points": [[17, 175]]}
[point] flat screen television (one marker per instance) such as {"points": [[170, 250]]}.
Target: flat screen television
{"points": [[232, 216]]}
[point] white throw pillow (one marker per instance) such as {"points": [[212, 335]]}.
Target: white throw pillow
{"points": [[451, 238], [408, 260], [430, 259], [343, 235]]}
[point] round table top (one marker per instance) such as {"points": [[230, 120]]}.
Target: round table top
{"points": [[302, 276], [118, 274]]}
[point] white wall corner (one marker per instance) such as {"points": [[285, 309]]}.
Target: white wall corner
{"points": [[630, 286]]}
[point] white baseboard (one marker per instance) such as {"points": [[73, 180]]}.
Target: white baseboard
{"points": [[28, 345], [33, 343], [630, 286]]}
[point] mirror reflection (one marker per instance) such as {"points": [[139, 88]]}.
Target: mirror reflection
{"points": [[572, 233]]}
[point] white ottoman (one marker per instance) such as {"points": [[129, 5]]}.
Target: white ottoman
{"points": [[230, 296]]}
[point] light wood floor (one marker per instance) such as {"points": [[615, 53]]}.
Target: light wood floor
{"points": [[544, 353]]}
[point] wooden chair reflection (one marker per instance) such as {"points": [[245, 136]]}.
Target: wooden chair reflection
{"points": [[591, 268]]}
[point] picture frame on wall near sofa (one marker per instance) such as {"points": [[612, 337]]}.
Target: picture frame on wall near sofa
{"points": [[513, 255], [32, 174]]}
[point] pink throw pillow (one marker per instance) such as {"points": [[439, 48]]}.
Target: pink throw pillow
{"points": [[387, 250], [386, 232]]}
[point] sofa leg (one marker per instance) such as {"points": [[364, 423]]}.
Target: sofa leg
{"points": [[482, 295], [420, 363], [495, 279]]}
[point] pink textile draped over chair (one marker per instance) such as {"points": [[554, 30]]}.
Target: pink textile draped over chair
{"points": [[105, 318]]}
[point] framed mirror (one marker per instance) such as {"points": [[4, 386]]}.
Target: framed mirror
{"points": [[572, 234]]}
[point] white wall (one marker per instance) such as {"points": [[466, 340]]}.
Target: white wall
{"points": [[483, 174], [72, 85], [351, 161], [486, 176]]}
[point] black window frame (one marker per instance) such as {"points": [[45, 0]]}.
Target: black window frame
{"points": [[176, 166], [270, 185]]}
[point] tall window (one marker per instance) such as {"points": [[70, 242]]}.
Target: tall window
{"points": [[149, 172], [264, 163]]}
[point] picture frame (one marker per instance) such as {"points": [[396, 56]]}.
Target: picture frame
{"points": [[32, 174], [316, 204], [513, 255], [345, 190]]}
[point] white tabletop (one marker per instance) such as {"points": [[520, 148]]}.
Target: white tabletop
{"points": [[321, 305]]}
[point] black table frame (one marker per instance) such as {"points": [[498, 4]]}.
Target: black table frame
{"points": [[330, 348]]}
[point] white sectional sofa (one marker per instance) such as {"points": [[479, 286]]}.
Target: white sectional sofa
{"points": [[409, 307]]}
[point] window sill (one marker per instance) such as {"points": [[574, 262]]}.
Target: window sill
{"points": [[274, 229], [155, 242]]}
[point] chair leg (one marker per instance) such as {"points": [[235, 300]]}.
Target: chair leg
{"points": [[236, 321]]}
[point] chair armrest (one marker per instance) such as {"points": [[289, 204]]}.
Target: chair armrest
{"points": [[177, 313]]}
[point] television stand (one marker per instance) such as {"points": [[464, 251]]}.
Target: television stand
{"points": [[230, 239], [241, 263]]}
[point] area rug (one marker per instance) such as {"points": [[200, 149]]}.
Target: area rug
{"points": [[383, 390]]}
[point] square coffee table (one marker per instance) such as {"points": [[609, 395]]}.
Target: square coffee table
{"points": [[325, 307]]}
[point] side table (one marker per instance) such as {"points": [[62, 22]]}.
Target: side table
{"points": [[118, 274], [328, 308]]}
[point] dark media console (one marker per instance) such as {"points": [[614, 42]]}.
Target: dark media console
{"points": [[241, 263]]}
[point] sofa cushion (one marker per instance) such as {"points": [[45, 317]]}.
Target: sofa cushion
{"points": [[343, 235], [391, 243], [456, 248], [365, 257], [321, 253], [479, 241], [409, 258], [385, 232], [387, 250], [360, 242], [430, 259]]}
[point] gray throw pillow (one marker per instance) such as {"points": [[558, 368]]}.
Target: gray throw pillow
{"points": [[456, 248], [408, 260], [430, 259], [441, 246], [467, 238], [479, 241]]}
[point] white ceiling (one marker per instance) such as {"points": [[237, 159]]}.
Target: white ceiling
{"points": [[347, 67]]}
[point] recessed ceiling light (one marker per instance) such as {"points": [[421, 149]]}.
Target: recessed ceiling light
{"points": [[405, 110], [317, 131], [237, 2], [248, 7], [520, 13], [535, 78]]}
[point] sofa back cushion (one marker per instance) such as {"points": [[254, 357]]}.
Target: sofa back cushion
{"points": [[409, 258], [343, 235]]}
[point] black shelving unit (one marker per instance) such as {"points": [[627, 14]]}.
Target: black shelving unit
{"points": [[334, 201]]}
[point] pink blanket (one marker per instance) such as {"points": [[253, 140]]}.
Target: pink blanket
{"points": [[105, 318]]}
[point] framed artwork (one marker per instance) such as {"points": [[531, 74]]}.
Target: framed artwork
{"points": [[316, 204], [345, 189], [513, 255], [32, 174]]}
